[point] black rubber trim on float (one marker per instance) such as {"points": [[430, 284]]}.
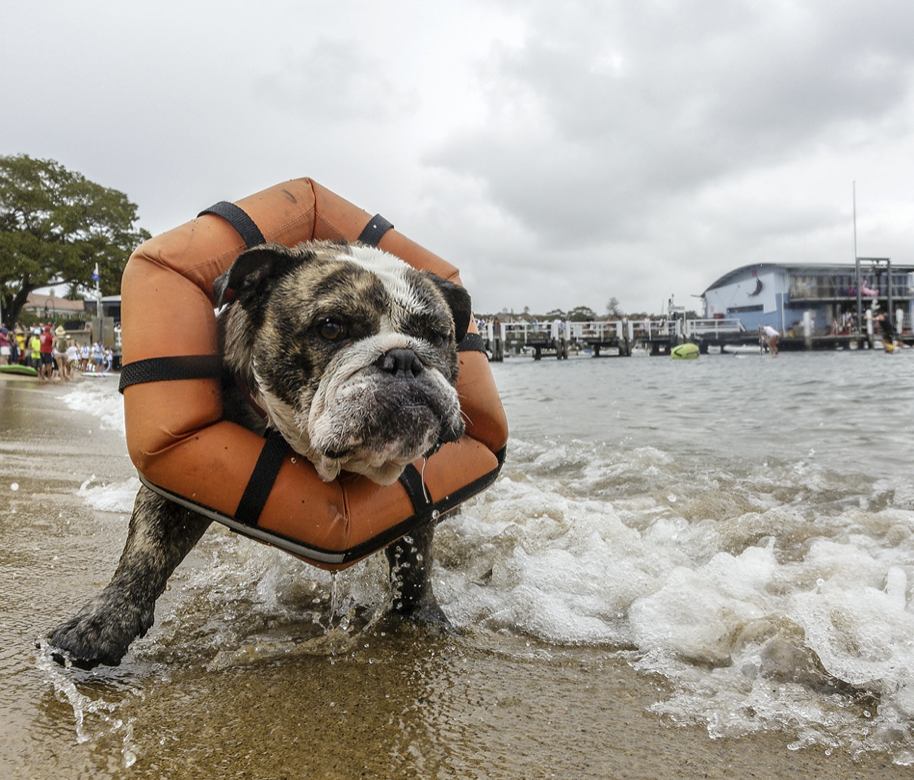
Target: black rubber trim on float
{"points": [[238, 219], [472, 342], [375, 229], [167, 369], [255, 495]]}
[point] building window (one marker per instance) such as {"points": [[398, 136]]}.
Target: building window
{"points": [[742, 309]]}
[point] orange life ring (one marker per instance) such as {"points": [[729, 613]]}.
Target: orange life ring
{"points": [[182, 447]]}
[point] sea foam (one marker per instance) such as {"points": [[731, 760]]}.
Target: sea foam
{"points": [[109, 497], [98, 398], [778, 602]]}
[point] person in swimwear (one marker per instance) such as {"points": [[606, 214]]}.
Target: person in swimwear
{"points": [[771, 337]]}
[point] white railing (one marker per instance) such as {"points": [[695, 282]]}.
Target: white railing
{"points": [[713, 327], [647, 330], [604, 331], [524, 331], [601, 330]]}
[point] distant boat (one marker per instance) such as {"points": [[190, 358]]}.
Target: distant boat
{"points": [[687, 351], [741, 349]]}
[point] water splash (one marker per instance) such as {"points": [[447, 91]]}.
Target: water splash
{"points": [[338, 616], [100, 401], [93, 717], [110, 497]]}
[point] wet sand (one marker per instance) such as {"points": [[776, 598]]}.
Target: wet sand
{"points": [[391, 701]]}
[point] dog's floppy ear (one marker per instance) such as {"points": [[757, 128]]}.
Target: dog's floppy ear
{"points": [[221, 292], [252, 271], [459, 301]]}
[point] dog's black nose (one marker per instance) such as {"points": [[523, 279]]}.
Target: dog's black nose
{"points": [[400, 362]]}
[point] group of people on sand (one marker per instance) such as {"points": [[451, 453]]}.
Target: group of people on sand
{"points": [[53, 354]]}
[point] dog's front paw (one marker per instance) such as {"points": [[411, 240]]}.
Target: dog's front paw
{"points": [[95, 636], [424, 612]]}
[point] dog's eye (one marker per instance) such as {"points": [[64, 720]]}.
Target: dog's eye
{"points": [[331, 329], [439, 337]]}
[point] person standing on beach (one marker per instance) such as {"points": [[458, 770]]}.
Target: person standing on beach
{"points": [[771, 336], [60, 357], [17, 346], [46, 348], [72, 356], [15, 349], [98, 358], [34, 351], [5, 351]]}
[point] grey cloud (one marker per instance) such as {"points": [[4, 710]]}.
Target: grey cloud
{"points": [[581, 153], [559, 153], [333, 79]]}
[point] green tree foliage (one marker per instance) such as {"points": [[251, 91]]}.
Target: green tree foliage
{"points": [[55, 225], [613, 309], [582, 314]]}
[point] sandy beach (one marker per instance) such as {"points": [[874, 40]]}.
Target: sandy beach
{"points": [[213, 692]]}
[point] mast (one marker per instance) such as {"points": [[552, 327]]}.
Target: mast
{"points": [[857, 264]]}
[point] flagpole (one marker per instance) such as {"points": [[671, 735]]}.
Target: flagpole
{"points": [[857, 265], [98, 302]]}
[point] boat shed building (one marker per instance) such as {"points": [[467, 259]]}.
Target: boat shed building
{"points": [[778, 294]]}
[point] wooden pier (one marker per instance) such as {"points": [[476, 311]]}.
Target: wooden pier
{"points": [[620, 338]]}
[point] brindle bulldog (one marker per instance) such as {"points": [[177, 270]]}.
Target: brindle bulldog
{"points": [[347, 352]]}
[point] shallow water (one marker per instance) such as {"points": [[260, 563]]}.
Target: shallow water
{"points": [[726, 544]]}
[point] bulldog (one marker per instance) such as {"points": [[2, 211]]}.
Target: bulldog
{"points": [[351, 355]]}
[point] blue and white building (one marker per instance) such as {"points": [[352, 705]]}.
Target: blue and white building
{"points": [[778, 294]]}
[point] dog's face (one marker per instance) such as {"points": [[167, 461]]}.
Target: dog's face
{"points": [[351, 352]]}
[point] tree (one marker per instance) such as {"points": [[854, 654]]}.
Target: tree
{"points": [[55, 225], [582, 314], [613, 308]]}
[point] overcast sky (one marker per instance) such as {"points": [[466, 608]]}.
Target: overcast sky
{"points": [[558, 152]]}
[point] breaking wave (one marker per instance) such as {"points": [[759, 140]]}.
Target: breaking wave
{"points": [[769, 600], [98, 399]]}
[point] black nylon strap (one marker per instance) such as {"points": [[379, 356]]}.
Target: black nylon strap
{"points": [[472, 342], [165, 369], [377, 226], [239, 220], [411, 480], [262, 478]]}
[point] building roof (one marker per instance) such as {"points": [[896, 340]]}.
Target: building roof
{"points": [[816, 268], [40, 301]]}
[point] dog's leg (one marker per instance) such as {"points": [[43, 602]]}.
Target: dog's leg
{"points": [[161, 533], [410, 560]]}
